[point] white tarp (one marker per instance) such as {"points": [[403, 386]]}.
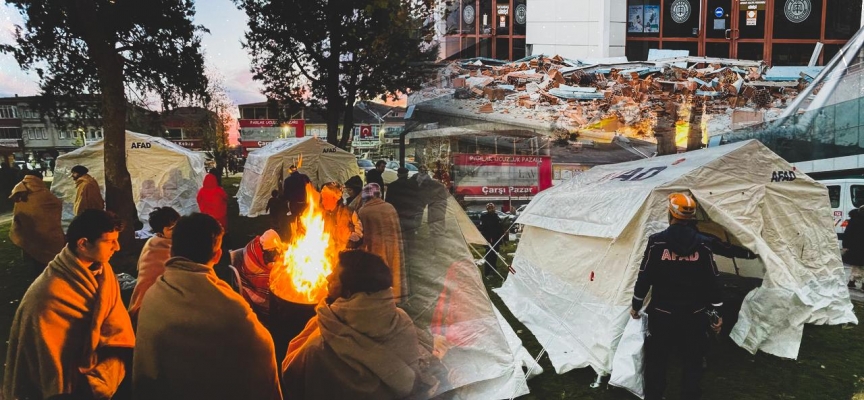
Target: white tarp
{"points": [[268, 166], [583, 241], [484, 358], [162, 173]]}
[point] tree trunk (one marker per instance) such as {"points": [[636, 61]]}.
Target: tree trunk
{"points": [[100, 49], [348, 123], [334, 98], [118, 184]]}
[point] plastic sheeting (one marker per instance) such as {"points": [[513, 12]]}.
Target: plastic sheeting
{"points": [[163, 174], [483, 357], [629, 361], [266, 168], [583, 241]]}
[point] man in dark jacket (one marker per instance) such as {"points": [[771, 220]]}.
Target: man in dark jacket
{"points": [[853, 244], [490, 227], [434, 195], [353, 187], [679, 265], [403, 195], [375, 175], [294, 191]]}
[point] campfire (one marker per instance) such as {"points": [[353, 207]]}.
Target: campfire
{"points": [[308, 259]]}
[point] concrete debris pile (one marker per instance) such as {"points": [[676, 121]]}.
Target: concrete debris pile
{"points": [[646, 100]]}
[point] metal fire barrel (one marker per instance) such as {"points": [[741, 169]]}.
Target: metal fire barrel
{"points": [[287, 320]]}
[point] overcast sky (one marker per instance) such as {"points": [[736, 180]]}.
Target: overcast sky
{"points": [[222, 48]]}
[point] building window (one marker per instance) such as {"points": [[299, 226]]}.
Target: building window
{"points": [[44, 133], [834, 196], [61, 135], [174, 133], [10, 133], [802, 20], [8, 112], [248, 113], [842, 19], [30, 133]]}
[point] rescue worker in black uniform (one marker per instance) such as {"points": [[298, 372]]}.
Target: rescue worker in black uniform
{"points": [[679, 265]]}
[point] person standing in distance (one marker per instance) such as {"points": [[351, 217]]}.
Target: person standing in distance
{"points": [[376, 175], [678, 265], [294, 190], [88, 194], [490, 227]]}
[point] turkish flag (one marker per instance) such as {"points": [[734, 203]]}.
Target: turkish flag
{"points": [[365, 131]]}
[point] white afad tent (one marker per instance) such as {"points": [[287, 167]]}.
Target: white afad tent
{"points": [[268, 166], [583, 241], [163, 174]]}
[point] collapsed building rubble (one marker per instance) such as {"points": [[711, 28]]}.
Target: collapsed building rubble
{"points": [[677, 102]]}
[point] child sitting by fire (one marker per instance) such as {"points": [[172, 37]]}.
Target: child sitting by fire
{"points": [[254, 263]]}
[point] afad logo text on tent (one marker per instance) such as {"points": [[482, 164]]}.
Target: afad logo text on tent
{"points": [[140, 145], [633, 175], [783, 176]]}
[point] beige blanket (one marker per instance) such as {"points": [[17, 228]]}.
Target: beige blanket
{"points": [[89, 196], [198, 339], [358, 348], [36, 225], [151, 265], [63, 333]]}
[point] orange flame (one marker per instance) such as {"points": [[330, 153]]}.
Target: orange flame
{"points": [[308, 260]]}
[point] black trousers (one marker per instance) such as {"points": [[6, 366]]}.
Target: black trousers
{"points": [[491, 260], [668, 333]]}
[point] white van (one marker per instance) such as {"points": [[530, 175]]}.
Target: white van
{"points": [[845, 195]]}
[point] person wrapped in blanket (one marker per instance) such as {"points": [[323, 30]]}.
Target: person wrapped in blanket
{"points": [[359, 345], [346, 231], [254, 263], [71, 336]]}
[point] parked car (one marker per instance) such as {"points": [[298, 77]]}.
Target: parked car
{"points": [[389, 175], [520, 210], [394, 165], [845, 195], [365, 164]]}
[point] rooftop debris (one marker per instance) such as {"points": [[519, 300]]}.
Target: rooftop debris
{"points": [[681, 99]]}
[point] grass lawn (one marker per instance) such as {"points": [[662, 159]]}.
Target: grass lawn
{"points": [[830, 364]]}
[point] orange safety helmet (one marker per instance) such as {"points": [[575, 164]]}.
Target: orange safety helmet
{"points": [[682, 206]]}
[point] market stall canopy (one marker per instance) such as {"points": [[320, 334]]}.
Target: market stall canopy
{"points": [[163, 174], [577, 301], [266, 168]]}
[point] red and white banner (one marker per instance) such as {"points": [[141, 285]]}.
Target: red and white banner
{"points": [[501, 175], [299, 125], [366, 132]]}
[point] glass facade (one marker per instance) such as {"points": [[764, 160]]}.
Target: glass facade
{"points": [[486, 28], [825, 120], [781, 32]]}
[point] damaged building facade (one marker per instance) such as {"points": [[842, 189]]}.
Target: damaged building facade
{"points": [[580, 113], [780, 32]]}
